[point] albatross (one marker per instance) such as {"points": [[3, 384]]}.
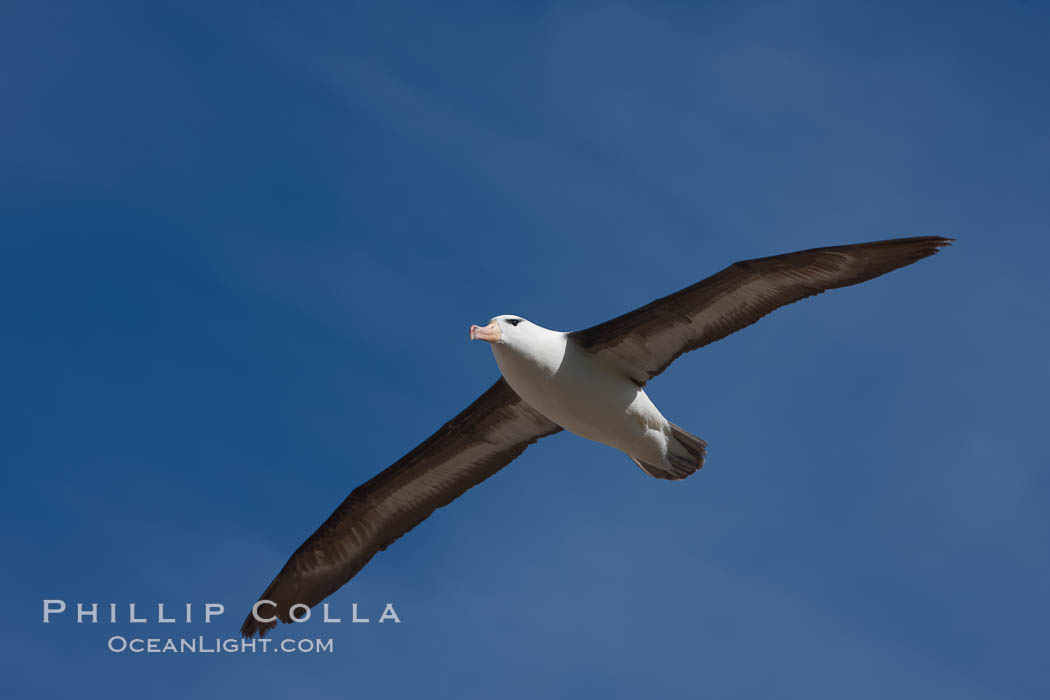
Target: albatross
{"points": [[590, 382]]}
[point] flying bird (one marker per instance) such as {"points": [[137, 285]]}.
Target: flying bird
{"points": [[589, 382]]}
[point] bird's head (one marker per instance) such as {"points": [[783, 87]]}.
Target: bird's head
{"points": [[507, 329]]}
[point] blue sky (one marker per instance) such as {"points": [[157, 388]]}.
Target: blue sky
{"points": [[240, 249]]}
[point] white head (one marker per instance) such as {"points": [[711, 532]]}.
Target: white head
{"points": [[521, 347], [509, 330]]}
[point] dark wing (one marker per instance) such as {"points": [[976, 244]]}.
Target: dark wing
{"points": [[468, 449], [643, 342]]}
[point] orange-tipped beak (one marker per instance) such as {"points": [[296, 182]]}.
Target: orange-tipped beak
{"points": [[490, 333]]}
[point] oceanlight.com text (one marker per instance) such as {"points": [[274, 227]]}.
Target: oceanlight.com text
{"points": [[119, 644]]}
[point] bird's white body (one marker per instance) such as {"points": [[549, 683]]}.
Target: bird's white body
{"points": [[581, 393]]}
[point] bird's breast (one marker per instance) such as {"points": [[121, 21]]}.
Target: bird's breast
{"points": [[582, 395]]}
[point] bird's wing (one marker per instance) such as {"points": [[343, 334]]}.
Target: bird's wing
{"points": [[468, 449], [643, 342]]}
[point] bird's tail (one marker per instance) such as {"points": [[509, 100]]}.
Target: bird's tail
{"points": [[685, 456]]}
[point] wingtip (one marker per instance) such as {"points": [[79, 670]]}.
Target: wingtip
{"points": [[939, 242], [922, 246], [253, 627]]}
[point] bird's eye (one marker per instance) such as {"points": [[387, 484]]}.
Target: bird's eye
{"points": [[513, 321]]}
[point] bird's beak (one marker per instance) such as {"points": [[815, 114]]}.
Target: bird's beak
{"points": [[490, 333]]}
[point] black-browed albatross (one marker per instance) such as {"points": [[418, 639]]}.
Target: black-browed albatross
{"points": [[588, 382]]}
